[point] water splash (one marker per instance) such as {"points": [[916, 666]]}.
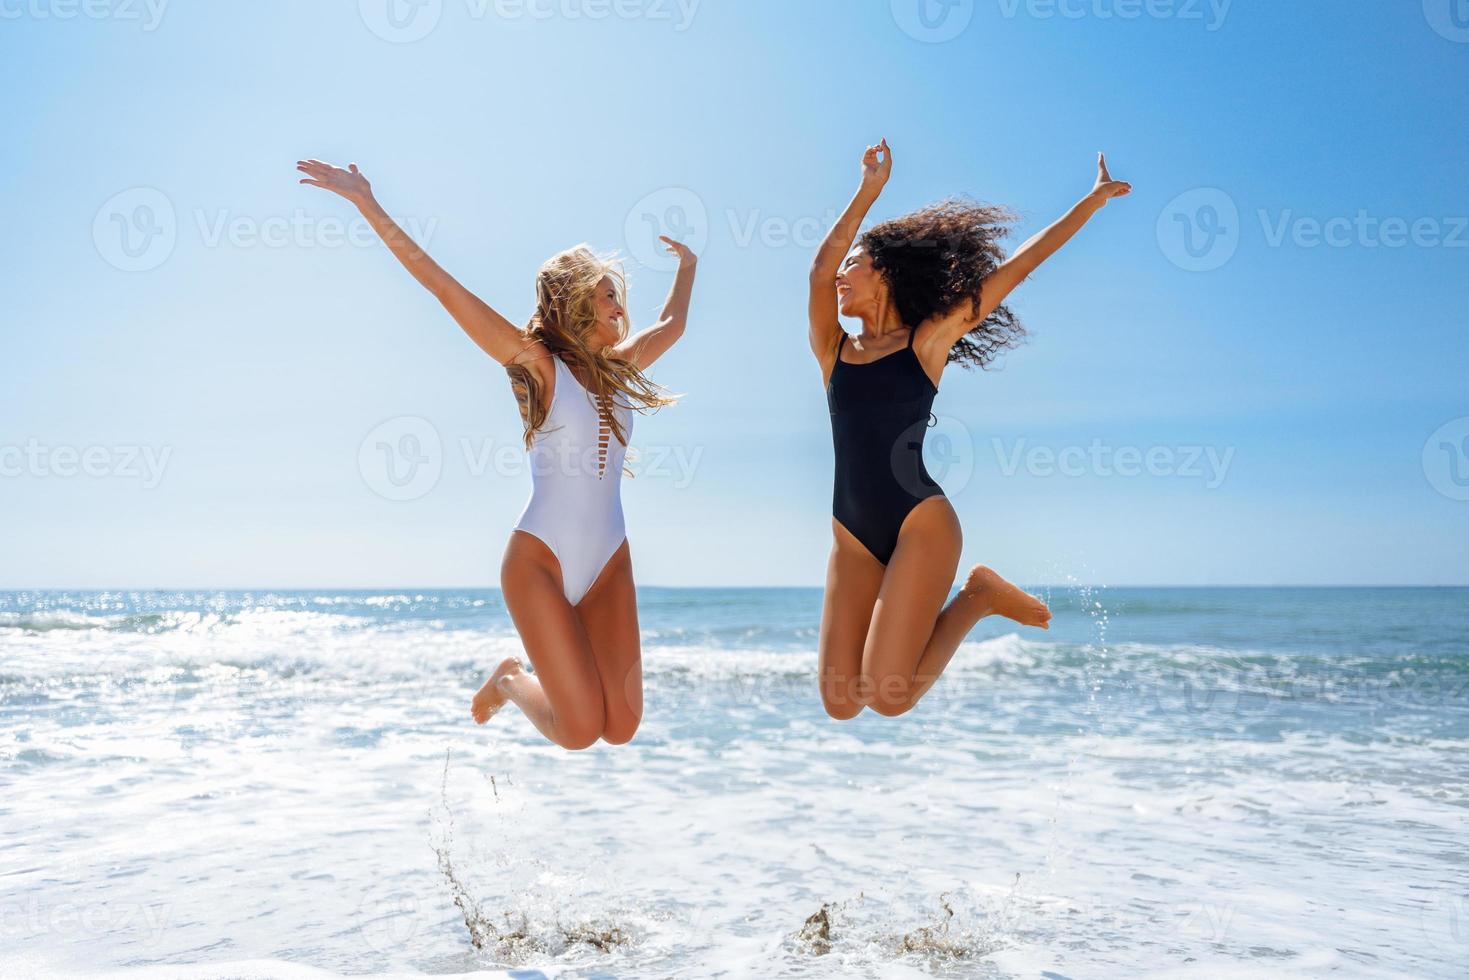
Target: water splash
{"points": [[821, 930], [962, 928], [513, 936]]}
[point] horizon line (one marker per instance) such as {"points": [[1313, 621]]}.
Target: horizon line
{"points": [[711, 588]]}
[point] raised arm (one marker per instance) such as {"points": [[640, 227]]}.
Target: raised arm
{"points": [[877, 166], [651, 343], [494, 334], [946, 330]]}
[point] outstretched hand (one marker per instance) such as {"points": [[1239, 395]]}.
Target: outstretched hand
{"points": [[348, 183], [877, 165], [685, 255], [1106, 188]]}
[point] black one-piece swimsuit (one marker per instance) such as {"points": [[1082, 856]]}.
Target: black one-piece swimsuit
{"points": [[879, 416]]}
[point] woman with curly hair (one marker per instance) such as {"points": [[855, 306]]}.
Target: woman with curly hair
{"points": [[578, 377], [929, 288]]}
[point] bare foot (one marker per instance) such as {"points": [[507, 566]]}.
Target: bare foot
{"points": [[491, 698], [996, 597]]}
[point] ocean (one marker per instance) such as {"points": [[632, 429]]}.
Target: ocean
{"points": [[1171, 782]]}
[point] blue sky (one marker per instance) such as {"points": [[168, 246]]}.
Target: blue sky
{"points": [[188, 405]]}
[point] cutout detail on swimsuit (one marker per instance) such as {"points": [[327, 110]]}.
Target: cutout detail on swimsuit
{"points": [[604, 437], [573, 509]]}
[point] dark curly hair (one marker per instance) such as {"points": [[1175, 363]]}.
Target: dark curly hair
{"points": [[939, 257]]}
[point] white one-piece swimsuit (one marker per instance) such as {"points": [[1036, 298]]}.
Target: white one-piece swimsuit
{"points": [[575, 505]]}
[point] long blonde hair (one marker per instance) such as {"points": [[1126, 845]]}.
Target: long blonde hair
{"points": [[564, 321]]}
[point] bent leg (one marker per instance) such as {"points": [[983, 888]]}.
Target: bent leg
{"points": [[853, 578], [563, 699], [985, 593], [609, 616], [914, 588], [911, 641]]}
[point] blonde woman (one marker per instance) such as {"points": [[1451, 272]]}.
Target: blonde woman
{"points": [[578, 377]]}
